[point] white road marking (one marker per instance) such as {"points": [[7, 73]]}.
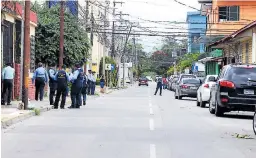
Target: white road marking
{"points": [[152, 151], [150, 105], [151, 124], [151, 111]]}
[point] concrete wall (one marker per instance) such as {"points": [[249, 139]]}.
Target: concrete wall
{"points": [[247, 11]]}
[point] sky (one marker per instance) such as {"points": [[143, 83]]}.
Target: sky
{"points": [[160, 10]]}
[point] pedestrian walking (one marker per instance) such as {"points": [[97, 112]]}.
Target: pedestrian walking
{"points": [[165, 83], [40, 78], [89, 82], [77, 84], [84, 89], [52, 83], [102, 85], [93, 84], [7, 78], [62, 78], [159, 85]]}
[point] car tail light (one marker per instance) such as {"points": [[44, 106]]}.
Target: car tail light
{"points": [[206, 85], [184, 86], [224, 100], [227, 84]]}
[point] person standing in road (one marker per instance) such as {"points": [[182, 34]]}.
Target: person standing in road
{"points": [[52, 83], [40, 78], [102, 84], [77, 84], [84, 89], [93, 84], [89, 82], [62, 79], [7, 78], [159, 85]]}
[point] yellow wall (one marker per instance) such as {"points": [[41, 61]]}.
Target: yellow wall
{"points": [[247, 11], [244, 50]]}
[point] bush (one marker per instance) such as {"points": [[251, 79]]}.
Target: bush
{"points": [[98, 81]]}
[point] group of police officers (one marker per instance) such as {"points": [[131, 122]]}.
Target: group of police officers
{"points": [[58, 81]]}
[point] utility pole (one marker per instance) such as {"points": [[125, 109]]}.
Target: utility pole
{"points": [[86, 27], [26, 59], [126, 40], [22, 50], [61, 34], [113, 31], [105, 42]]}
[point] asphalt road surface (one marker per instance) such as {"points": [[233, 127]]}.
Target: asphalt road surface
{"points": [[131, 123]]}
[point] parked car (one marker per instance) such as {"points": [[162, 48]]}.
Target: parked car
{"points": [[234, 90], [172, 82], [143, 81], [254, 122], [203, 92], [187, 87], [181, 76]]}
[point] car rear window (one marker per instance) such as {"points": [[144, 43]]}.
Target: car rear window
{"points": [[191, 81], [240, 75], [188, 76], [143, 79]]}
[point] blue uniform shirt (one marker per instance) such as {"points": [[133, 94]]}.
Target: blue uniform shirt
{"points": [[40, 72], [56, 77], [51, 73], [75, 75], [8, 73]]}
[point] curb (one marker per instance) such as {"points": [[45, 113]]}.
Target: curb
{"points": [[27, 114]]}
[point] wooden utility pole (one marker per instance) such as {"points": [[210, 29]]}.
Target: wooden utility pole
{"points": [[26, 59], [61, 34], [22, 50], [105, 42]]}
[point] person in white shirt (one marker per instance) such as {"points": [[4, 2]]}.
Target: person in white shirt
{"points": [[93, 83], [89, 82], [7, 78]]}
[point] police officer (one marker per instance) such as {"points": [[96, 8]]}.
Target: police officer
{"points": [[52, 83], [62, 79], [7, 78], [84, 89], [89, 82], [77, 84], [40, 77], [159, 85]]}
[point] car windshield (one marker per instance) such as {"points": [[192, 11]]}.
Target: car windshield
{"points": [[240, 75], [191, 81]]}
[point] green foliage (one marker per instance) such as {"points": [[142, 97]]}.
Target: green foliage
{"points": [[109, 74], [98, 81], [184, 62], [76, 43]]}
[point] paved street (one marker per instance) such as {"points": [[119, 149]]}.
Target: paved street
{"points": [[131, 123]]}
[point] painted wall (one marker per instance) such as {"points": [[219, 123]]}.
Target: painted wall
{"points": [[200, 29], [247, 12]]}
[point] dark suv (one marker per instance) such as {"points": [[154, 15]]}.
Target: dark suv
{"points": [[235, 90]]}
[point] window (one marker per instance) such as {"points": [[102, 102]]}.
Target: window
{"points": [[229, 13], [240, 75]]}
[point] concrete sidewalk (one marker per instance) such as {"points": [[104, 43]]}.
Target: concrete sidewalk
{"points": [[11, 114]]}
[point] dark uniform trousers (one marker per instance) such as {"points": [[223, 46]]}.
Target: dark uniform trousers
{"points": [[159, 86], [61, 89], [40, 83], [76, 96], [7, 85], [53, 87]]}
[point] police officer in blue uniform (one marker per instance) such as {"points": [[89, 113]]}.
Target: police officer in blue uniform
{"points": [[52, 83], [159, 85], [40, 77], [77, 84], [62, 79]]}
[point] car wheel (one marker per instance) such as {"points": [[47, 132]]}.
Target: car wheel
{"points": [[139, 84], [254, 123], [197, 103], [218, 110], [175, 96], [202, 103], [179, 97], [211, 110]]}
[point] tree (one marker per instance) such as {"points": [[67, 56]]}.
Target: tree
{"points": [[76, 43]]}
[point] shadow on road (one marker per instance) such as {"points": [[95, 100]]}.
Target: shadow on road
{"points": [[189, 99], [238, 116]]}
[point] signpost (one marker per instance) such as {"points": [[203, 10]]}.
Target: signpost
{"points": [[108, 67]]}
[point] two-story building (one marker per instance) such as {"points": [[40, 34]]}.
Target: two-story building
{"points": [[196, 30]]}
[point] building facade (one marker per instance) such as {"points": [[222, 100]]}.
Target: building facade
{"points": [[11, 24], [196, 30]]}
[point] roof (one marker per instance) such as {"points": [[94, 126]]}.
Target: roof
{"points": [[236, 33], [204, 1]]}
